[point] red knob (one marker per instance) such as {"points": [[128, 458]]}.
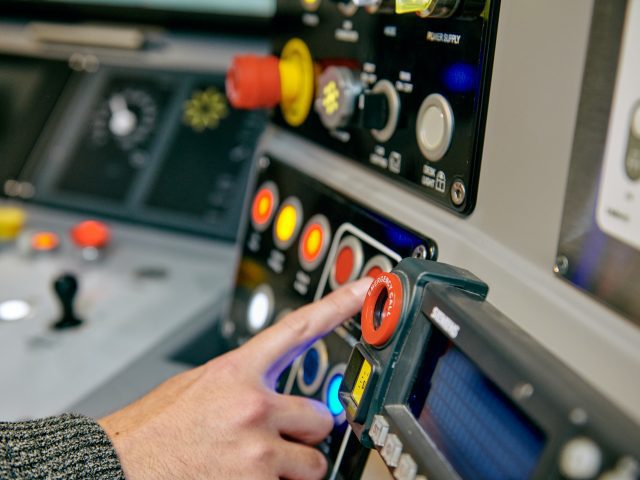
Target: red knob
{"points": [[91, 233], [254, 82]]}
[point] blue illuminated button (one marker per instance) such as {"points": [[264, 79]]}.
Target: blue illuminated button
{"points": [[331, 393], [312, 368], [333, 401]]}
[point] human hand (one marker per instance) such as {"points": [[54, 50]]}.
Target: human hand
{"points": [[224, 420]]}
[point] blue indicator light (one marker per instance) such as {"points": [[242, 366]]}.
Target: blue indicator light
{"points": [[333, 400], [310, 366], [460, 78]]}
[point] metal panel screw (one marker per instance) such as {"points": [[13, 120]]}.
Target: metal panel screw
{"points": [[458, 193], [562, 265]]}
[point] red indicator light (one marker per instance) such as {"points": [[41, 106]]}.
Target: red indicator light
{"points": [[45, 241], [91, 234], [264, 206]]}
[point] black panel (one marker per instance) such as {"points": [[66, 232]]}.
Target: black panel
{"points": [[156, 147], [265, 265], [419, 56]]}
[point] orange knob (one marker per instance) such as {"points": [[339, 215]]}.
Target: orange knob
{"points": [[254, 82]]}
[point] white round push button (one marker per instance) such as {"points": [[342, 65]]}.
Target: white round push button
{"points": [[580, 458], [260, 309], [434, 127], [14, 310]]}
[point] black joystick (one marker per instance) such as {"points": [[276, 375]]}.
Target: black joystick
{"points": [[66, 287]]}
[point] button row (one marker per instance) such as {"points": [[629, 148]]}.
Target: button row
{"points": [[287, 223], [391, 446]]}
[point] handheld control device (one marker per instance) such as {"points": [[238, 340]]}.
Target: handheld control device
{"points": [[447, 387]]}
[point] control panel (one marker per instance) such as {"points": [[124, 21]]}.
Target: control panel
{"points": [[81, 299], [444, 386], [161, 147], [303, 240], [399, 86]]}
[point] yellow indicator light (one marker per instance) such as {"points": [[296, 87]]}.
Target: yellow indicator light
{"points": [[331, 97], [286, 223], [361, 382], [409, 6]]}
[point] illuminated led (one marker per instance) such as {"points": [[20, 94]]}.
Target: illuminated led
{"points": [[260, 308], [14, 310], [287, 223], [45, 241], [331, 393], [314, 242], [264, 205], [333, 399]]}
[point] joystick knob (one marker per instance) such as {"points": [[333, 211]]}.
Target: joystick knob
{"points": [[66, 287]]}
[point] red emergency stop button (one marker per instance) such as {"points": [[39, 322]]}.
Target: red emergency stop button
{"points": [[264, 206], [314, 242], [254, 82], [347, 262], [91, 234], [382, 309]]}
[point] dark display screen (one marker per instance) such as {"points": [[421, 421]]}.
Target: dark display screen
{"points": [[481, 433]]}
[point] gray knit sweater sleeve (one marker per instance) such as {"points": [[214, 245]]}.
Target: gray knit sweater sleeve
{"points": [[69, 447]]}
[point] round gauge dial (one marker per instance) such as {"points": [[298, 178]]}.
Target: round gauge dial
{"points": [[127, 117]]}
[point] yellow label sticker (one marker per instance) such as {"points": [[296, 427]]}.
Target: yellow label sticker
{"points": [[361, 383]]}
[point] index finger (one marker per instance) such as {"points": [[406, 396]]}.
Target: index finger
{"points": [[276, 347]]}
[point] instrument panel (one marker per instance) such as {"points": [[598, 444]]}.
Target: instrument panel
{"points": [[402, 94], [303, 240], [151, 146]]}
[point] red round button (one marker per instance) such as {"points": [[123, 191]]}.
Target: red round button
{"points": [[382, 309], [374, 272], [344, 265], [91, 233], [254, 82]]}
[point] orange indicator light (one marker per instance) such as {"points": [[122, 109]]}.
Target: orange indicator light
{"points": [[45, 241], [312, 242], [264, 205]]}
